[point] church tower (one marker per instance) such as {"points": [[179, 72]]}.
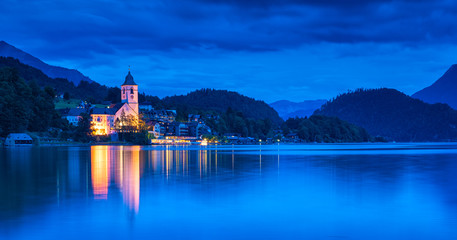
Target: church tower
{"points": [[129, 92]]}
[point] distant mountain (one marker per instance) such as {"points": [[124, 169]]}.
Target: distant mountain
{"points": [[443, 90], [391, 114], [85, 90], [287, 109], [7, 50], [220, 101]]}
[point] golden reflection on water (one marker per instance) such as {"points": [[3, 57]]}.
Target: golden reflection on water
{"points": [[121, 164], [131, 178], [119, 168], [99, 169]]}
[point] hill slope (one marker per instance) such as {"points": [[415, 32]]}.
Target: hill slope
{"points": [[318, 128], [84, 90], [443, 90], [394, 115], [220, 101], [74, 76], [287, 109]]}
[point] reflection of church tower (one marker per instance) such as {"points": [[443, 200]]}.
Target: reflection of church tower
{"points": [[129, 92]]}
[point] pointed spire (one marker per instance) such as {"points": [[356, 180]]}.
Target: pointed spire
{"points": [[129, 79]]}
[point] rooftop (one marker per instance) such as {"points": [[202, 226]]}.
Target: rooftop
{"points": [[129, 80]]}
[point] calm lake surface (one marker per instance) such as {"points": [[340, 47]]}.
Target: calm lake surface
{"points": [[317, 191]]}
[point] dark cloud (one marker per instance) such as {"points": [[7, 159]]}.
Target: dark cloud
{"points": [[111, 33], [276, 3], [81, 28]]}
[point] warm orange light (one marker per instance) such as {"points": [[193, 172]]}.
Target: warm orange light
{"points": [[131, 178], [100, 171]]}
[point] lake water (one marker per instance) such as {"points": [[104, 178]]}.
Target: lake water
{"points": [[317, 191]]}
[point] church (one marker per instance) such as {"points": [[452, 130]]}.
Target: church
{"points": [[106, 121]]}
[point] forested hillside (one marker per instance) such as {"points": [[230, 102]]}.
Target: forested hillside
{"points": [[219, 101], [326, 129], [394, 115], [84, 90], [25, 106]]}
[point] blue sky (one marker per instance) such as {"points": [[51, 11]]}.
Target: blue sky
{"points": [[269, 50]]}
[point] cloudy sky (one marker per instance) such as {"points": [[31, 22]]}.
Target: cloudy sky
{"points": [[269, 50]]}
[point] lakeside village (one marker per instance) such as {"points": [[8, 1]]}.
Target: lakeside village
{"points": [[129, 116], [129, 119]]}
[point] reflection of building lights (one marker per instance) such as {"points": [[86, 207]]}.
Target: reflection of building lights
{"points": [[99, 170], [131, 178], [126, 172]]}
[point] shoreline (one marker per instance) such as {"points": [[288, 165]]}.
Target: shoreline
{"points": [[75, 144]]}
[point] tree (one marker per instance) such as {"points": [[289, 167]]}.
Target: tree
{"points": [[326, 129], [66, 96], [132, 129], [84, 129], [15, 102]]}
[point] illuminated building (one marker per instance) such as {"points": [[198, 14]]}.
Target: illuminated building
{"points": [[103, 120]]}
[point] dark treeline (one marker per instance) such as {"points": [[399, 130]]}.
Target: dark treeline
{"points": [[25, 106], [394, 115], [93, 92], [227, 112], [90, 91], [220, 101], [325, 129], [235, 122]]}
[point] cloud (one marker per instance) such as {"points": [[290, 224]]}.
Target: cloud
{"points": [[237, 44], [81, 28]]}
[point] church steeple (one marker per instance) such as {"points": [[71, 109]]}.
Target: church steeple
{"points": [[129, 80], [129, 92]]}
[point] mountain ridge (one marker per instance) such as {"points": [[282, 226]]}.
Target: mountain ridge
{"points": [[288, 109], [72, 75], [221, 101], [442, 90], [85, 90], [394, 115]]}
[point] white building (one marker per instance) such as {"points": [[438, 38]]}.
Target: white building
{"points": [[103, 120], [18, 139], [73, 116]]}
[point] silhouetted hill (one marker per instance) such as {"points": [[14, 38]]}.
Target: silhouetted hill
{"points": [[25, 106], [394, 115], [74, 76], [443, 90], [85, 90], [318, 128], [287, 109], [220, 101]]}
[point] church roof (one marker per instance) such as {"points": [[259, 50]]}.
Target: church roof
{"points": [[117, 106], [104, 111], [76, 111], [129, 80]]}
